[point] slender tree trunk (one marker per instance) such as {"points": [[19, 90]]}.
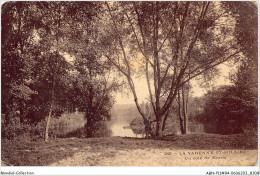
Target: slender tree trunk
{"points": [[160, 135], [9, 115], [184, 110], [165, 119], [159, 131], [48, 123], [145, 118], [187, 103], [89, 128], [53, 85], [179, 113], [21, 115]]}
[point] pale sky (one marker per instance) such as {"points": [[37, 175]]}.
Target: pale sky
{"points": [[197, 91]]}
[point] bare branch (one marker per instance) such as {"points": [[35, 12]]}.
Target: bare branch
{"points": [[120, 42], [117, 66], [212, 66], [170, 31]]}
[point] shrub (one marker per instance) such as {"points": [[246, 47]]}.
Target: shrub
{"points": [[22, 131], [79, 132]]}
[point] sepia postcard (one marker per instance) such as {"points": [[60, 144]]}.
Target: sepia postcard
{"points": [[129, 83]]}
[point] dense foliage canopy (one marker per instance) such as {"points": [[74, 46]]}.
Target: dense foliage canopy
{"points": [[59, 56]]}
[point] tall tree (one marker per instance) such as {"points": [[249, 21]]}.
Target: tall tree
{"points": [[53, 66], [246, 78], [17, 37], [92, 91], [170, 43], [93, 85], [45, 45]]}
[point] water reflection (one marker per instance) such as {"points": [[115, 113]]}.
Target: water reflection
{"points": [[123, 129]]}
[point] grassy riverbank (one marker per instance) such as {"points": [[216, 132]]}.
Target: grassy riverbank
{"points": [[94, 151]]}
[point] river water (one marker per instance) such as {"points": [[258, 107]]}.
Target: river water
{"points": [[122, 129]]}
